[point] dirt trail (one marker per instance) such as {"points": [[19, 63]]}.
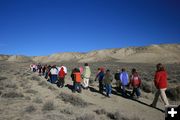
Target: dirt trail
{"points": [[14, 109]]}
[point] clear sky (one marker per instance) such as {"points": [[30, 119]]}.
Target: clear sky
{"points": [[43, 27]]}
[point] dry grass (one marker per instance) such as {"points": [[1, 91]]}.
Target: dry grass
{"points": [[43, 83], [48, 106], [31, 91], [100, 111], [174, 93], [2, 78], [35, 78], [12, 94], [30, 109], [38, 100], [67, 110], [52, 87], [74, 100], [86, 117]]}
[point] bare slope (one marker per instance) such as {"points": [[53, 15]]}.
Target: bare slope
{"points": [[168, 53]]}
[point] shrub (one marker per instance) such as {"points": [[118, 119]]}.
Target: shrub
{"points": [[173, 93], [31, 91], [2, 78], [100, 111], [38, 100], [120, 116], [67, 111], [86, 117], [147, 87], [35, 78], [49, 105], [74, 100], [51, 87], [12, 94], [30, 109], [11, 85]]}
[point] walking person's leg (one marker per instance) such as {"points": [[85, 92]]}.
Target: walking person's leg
{"points": [[163, 96], [110, 89], [123, 90], [106, 86], [84, 83], [154, 103], [100, 87], [63, 82], [132, 94]]}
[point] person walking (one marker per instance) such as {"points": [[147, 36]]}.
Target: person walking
{"points": [[108, 78], [61, 77], [76, 77], [86, 76], [117, 78], [135, 82], [53, 74], [100, 77], [160, 81], [124, 78]]}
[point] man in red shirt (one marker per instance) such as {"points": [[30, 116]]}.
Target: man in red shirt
{"points": [[160, 81]]}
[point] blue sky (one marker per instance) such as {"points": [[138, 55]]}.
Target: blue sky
{"points": [[43, 27]]}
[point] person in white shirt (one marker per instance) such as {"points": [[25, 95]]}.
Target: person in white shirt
{"points": [[54, 73]]}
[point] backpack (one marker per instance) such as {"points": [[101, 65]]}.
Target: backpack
{"points": [[116, 76], [77, 77], [135, 80]]}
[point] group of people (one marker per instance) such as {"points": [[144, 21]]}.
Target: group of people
{"points": [[81, 76], [122, 79]]}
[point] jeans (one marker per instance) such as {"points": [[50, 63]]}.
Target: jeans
{"points": [[77, 87], [53, 79], [123, 90], [101, 86], [108, 89], [137, 91]]}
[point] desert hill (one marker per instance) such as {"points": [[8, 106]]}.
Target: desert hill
{"points": [[166, 53]]}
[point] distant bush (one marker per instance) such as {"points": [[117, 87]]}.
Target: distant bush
{"points": [[2, 78], [100, 111], [147, 87], [35, 78], [49, 105], [11, 85], [67, 111], [31, 91], [173, 93], [38, 100], [12, 94], [120, 116], [74, 100], [30, 109], [52, 87], [86, 117]]}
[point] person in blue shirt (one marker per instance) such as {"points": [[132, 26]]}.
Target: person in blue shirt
{"points": [[100, 77], [124, 79]]}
